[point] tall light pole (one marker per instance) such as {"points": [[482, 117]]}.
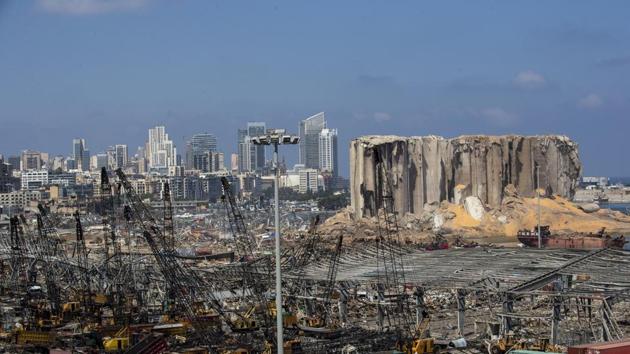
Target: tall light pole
{"points": [[276, 137], [538, 202]]}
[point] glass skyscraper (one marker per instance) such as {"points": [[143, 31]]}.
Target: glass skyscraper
{"points": [[310, 129], [80, 154], [251, 158], [197, 150]]}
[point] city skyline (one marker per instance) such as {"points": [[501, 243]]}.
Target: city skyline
{"points": [[120, 155], [324, 158]]}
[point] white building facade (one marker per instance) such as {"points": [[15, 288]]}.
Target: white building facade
{"points": [[308, 180], [160, 151], [34, 179], [328, 151]]}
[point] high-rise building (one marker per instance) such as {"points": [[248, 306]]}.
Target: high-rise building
{"points": [[80, 154], [189, 159], [8, 183], [216, 161], [99, 161], [234, 163], [121, 155], [15, 162], [140, 160], [160, 150], [257, 151], [70, 164], [328, 151], [93, 161], [32, 160], [141, 163], [58, 163], [197, 149], [242, 151], [245, 154], [255, 159], [310, 129], [111, 157]]}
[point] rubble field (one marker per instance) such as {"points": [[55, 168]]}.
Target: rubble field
{"points": [[473, 220]]}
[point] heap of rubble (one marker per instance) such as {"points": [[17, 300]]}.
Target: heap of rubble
{"points": [[472, 219]]}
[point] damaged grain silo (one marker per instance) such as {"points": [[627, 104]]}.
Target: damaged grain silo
{"points": [[431, 169]]}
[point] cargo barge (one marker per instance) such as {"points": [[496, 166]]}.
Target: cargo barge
{"points": [[585, 241]]}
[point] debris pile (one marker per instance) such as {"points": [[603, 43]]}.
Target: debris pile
{"points": [[472, 219]]}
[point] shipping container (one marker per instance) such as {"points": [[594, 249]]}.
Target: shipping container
{"points": [[610, 348], [579, 349], [620, 347], [616, 350]]}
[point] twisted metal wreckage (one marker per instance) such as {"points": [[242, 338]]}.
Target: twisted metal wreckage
{"points": [[378, 296]]}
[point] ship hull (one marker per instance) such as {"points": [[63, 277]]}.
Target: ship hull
{"points": [[530, 240], [570, 242]]}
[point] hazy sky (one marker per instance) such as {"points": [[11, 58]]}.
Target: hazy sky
{"points": [[107, 70]]}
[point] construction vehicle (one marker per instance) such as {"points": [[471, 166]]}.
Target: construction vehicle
{"points": [[312, 321], [289, 319], [290, 347], [70, 307], [508, 343], [246, 322], [48, 323], [421, 346], [118, 342]]}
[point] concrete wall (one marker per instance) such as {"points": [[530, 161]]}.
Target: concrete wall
{"points": [[427, 169]]}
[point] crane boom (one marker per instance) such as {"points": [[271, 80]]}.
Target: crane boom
{"points": [[181, 280], [169, 229], [244, 242], [332, 275], [245, 246]]}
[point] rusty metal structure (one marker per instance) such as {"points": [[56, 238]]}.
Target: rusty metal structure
{"points": [[132, 290]]}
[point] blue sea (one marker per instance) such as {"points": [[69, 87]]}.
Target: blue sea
{"points": [[622, 207], [623, 180]]}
